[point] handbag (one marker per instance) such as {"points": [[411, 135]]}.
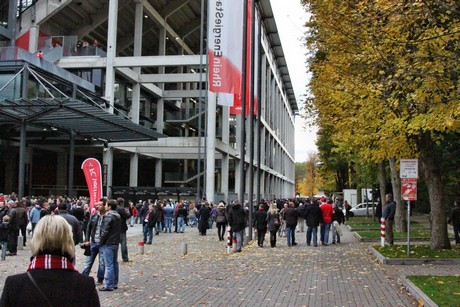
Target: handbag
{"points": [[29, 226]]}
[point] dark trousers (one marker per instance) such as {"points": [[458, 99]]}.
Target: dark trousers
{"points": [[389, 231], [261, 236], [273, 238], [221, 230], [23, 233], [456, 232], [13, 240], [124, 246], [203, 226]]}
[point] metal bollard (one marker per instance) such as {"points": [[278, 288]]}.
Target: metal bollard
{"points": [[140, 248], [382, 232], [20, 242], [184, 249]]}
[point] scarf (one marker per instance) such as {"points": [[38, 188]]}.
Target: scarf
{"points": [[50, 262]]}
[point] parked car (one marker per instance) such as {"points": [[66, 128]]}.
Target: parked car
{"points": [[361, 209]]}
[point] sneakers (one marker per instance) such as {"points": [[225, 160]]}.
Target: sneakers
{"points": [[105, 289]]}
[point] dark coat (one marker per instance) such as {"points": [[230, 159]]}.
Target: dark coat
{"points": [[313, 215], [260, 220], [151, 218], [290, 216], [237, 218], [4, 230], [110, 231], [338, 215], [91, 227], [123, 217], [76, 226], [454, 216], [62, 288]]}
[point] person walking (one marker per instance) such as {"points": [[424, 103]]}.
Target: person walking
{"points": [[313, 218], [110, 240], [124, 217], [260, 225], [290, 216], [204, 215], [237, 221], [274, 223], [221, 220], [148, 224], [93, 239], [454, 219], [326, 209], [389, 216], [337, 219]]}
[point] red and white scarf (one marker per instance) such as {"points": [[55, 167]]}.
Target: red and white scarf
{"points": [[50, 262]]}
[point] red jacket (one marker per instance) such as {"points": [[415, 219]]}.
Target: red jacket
{"points": [[327, 211]]}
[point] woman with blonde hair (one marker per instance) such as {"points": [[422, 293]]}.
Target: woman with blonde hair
{"points": [[274, 223], [51, 279]]}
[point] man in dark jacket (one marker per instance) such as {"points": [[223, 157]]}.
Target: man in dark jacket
{"points": [[110, 239], [13, 234], [260, 224], [72, 220], [454, 218], [237, 222], [93, 233], [290, 216], [124, 216], [313, 217], [389, 216], [204, 213]]}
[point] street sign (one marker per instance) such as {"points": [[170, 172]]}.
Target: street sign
{"points": [[409, 168], [409, 188]]}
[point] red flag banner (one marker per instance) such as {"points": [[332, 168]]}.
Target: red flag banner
{"points": [[225, 36], [92, 170], [236, 107]]}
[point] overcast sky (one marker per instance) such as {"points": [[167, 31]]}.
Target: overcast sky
{"points": [[290, 18]]}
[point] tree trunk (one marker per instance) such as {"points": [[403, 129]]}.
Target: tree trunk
{"points": [[400, 216], [429, 160], [382, 183]]}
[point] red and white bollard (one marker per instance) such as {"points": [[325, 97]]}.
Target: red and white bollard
{"points": [[382, 232], [140, 247], [229, 240]]}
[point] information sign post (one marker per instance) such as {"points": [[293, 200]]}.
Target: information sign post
{"points": [[409, 175]]}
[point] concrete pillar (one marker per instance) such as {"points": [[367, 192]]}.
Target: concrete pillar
{"points": [[158, 173], [33, 38], [111, 52], [211, 146], [133, 169], [108, 160], [61, 172]]}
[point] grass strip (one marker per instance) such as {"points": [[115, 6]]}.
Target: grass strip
{"points": [[443, 290], [418, 251]]}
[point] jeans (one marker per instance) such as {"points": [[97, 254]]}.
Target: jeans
{"points": [[181, 224], [290, 234], [335, 233], [95, 250], [4, 244], [158, 227], [325, 232], [193, 221], [239, 236], [168, 224], [131, 221], [110, 253], [124, 246], [148, 231], [312, 231]]}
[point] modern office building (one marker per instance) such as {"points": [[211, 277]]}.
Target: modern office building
{"points": [[124, 82]]}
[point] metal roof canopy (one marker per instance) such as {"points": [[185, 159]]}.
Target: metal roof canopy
{"points": [[76, 116]]}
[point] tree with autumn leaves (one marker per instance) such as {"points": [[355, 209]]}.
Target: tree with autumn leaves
{"points": [[386, 84]]}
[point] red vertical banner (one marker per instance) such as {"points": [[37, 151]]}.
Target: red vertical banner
{"points": [[92, 170], [236, 108], [225, 34]]}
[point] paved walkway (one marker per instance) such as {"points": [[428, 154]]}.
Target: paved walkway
{"points": [[344, 274]]}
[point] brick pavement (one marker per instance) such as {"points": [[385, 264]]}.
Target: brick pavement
{"points": [[344, 274]]}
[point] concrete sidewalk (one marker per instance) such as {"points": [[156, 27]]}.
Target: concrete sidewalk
{"points": [[344, 274]]}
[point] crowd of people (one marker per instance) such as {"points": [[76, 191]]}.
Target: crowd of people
{"points": [[101, 230]]}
